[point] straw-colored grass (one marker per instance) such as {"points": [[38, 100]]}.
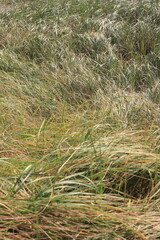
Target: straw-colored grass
{"points": [[79, 120]]}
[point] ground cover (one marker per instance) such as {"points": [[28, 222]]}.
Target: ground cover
{"points": [[79, 119]]}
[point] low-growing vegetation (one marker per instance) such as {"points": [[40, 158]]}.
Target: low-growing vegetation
{"points": [[79, 119]]}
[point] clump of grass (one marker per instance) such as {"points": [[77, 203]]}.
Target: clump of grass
{"points": [[79, 119]]}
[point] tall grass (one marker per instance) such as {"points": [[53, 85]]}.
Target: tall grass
{"points": [[79, 119]]}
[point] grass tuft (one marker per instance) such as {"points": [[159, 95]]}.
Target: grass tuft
{"points": [[79, 119]]}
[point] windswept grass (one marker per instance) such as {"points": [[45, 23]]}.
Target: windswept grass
{"points": [[79, 119]]}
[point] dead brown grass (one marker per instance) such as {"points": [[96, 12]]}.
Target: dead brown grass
{"points": [[92, 218]]}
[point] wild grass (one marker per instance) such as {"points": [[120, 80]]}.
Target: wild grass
{"points": [[79, 119]]}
